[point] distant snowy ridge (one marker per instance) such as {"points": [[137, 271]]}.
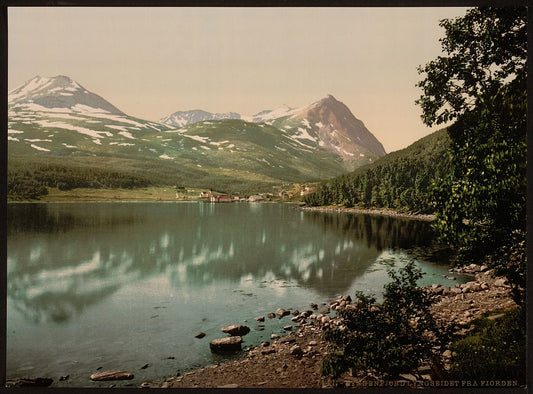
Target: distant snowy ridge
{"points": [[58, 116], [184, 118]]}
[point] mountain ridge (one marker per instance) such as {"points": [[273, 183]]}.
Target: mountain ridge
{"points": [[53, 119], [324, 124]]}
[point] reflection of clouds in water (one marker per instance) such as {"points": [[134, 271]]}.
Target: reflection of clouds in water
{"points": [[70, 272], [247, 281], [35, 254], [199, 245], [231, 251], [205, 256], [179, 272], [164, 241]]}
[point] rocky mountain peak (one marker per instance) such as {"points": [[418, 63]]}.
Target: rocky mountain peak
{"points": [[338, 129], [58, 93]]}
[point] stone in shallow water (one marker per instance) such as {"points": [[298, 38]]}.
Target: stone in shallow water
{"points": [[236, 330], [111, 375], [226, 344], [282, 312]]}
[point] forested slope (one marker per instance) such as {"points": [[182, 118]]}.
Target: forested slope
{"points": [[400, 180]]}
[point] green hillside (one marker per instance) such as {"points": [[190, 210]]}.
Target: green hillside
{"points": [[400, 180], [226, 155]]}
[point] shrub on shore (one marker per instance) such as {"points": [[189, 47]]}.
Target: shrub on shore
{"points": [[494, 351], [388, 338]]}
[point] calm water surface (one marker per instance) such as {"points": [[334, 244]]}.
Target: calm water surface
{"points": [[122, 285]]}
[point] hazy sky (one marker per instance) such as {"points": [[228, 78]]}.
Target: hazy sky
{"points": [[150, 62]]}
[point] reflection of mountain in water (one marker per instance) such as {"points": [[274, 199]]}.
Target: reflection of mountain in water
{"points": [[70, 256]]}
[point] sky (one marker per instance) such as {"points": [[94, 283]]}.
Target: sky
{"points": [[151, 62]]}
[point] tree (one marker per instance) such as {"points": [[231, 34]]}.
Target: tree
{"points": [[385, 339], [480, 85]]}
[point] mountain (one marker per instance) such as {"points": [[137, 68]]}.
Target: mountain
{"points": [[61, 134], [329, 124], [59, 115], [326, 124], [50, 94], [184, 118]]}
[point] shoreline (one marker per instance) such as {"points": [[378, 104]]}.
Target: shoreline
{"points": [[295, 360], [380, 212]]}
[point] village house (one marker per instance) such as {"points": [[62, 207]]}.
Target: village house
{"points": [[307, 190], [221, 198], [283, 194]]}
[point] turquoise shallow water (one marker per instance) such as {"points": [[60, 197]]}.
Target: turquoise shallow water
{"points": [[122, 285]]}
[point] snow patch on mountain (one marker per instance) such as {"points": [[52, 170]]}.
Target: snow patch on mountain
{"points": [[39, 148], [79, 129], [197, 138], [127, 135]]}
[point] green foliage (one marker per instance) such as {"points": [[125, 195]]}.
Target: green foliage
{"points": [[400, 180], [388, 338], [496, 350], [511, 261], [485, 51], [481, 85], [24, 187], [31, 181]]}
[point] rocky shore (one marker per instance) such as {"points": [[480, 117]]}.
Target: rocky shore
{"points": [[295, 360], [382, 212]]}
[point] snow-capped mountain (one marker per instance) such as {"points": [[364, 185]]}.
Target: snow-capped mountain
{"points": [[184, 118], [330, 125], [44, 111], [55, 121], [326, 124], [61, 92]]}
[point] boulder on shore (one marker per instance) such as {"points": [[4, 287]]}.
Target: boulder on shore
{"points": [[282, 312], [236, 330], [227, 344], [111, 375]]}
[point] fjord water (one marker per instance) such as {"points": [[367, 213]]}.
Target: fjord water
{"points": [[99, 286]]}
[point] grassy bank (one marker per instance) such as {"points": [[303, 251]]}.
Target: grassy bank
{"points": [[151, 193]]}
